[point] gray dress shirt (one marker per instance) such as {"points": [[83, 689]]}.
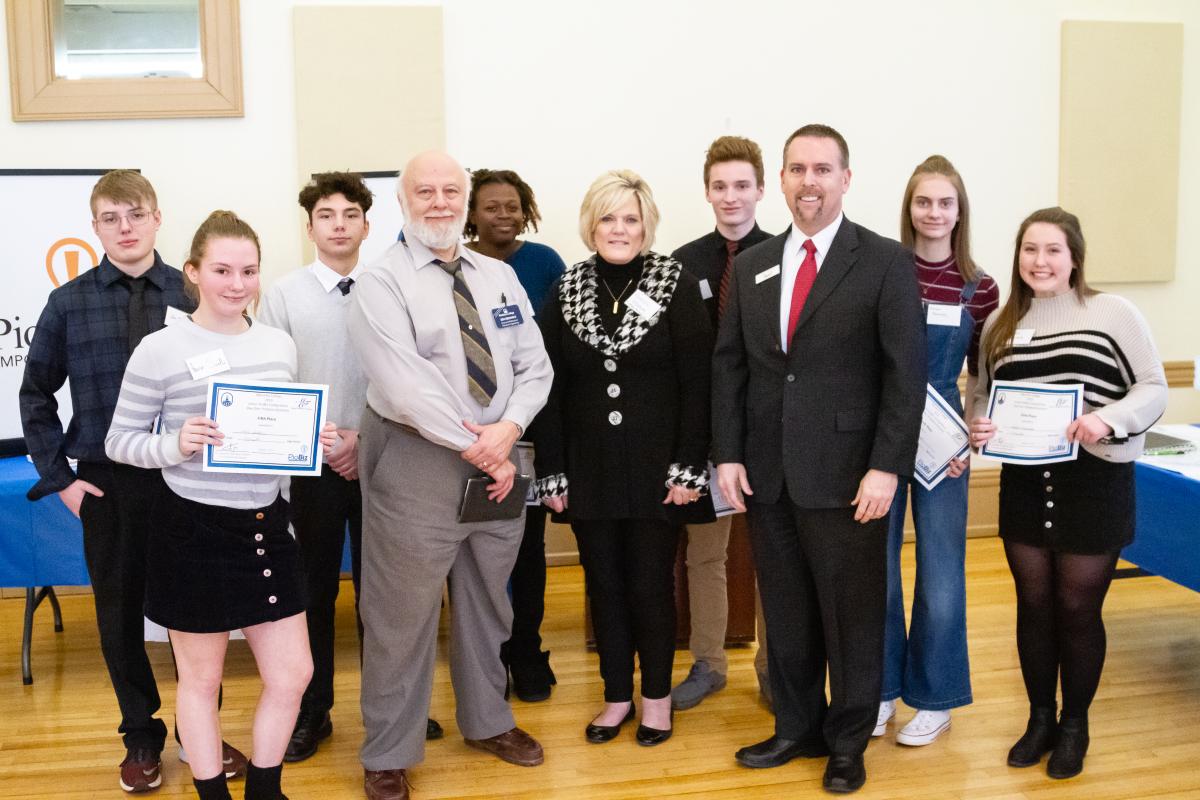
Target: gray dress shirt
{"points": [[404, 326]]}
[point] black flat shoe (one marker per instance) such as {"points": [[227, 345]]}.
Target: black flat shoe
{"points": [[531, 680], [1067, 759], [311, 728], [599, 734], [844, 774], [1037, 740], [648, 737], [775, 752], [433, 730]]}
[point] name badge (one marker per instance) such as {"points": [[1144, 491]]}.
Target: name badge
{"points": [[174, 315], [211, 363], [766, 274], [507, 316], [944, 314], [642, 305], [1023, 336], [705, 289]]}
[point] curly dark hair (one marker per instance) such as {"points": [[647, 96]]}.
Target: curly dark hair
{"points": [[483, 177], [348, 184]]}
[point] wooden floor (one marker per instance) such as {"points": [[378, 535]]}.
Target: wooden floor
{"points": [[57, 737]]}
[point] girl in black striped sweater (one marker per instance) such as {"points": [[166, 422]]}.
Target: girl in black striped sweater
{"points": [[1064, 524]]}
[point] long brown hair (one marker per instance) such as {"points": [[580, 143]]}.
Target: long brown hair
{"points": [[960, 237], [999, 337], [219, 225]]}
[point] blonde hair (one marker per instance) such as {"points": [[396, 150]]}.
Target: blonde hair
{"points": [[960, 238], [609, 192], [124, 186], [219, 225]]}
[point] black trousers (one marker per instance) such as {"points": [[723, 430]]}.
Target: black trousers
{"points": [[322, 509], [528, 583], [115, 528], [822, 577], [629, 566]]}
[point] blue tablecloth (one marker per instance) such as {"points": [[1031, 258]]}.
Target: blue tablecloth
{"points": [[1167, 539], [41, 544]]}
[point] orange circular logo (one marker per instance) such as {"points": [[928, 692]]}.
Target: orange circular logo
{"points": [[68, 265]]}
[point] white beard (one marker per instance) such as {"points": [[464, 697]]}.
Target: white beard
{"points": [[437, 236]]}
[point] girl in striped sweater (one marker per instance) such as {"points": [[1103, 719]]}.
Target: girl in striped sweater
{"points": [[1064, 524]]}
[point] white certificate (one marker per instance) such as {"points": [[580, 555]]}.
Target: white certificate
{"points": [[944, 437], [1031, 422], [269, 427], [721, 504]]}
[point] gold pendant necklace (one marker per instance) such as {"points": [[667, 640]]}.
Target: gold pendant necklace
{"points": [[616, 298]]}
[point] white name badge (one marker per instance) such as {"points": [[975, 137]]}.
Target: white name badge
{"points": [[705, 289], [174, 315], [642, 305], [1023, 336], [944, 314], [211, 363], [766, 274]]}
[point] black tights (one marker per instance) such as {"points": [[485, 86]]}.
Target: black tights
{"points": [[1059, 627]]}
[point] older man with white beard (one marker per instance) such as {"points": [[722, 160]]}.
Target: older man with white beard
{"points": [[452, 386]]}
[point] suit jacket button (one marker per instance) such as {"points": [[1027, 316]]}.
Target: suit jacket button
{"points": [[615, 418], [791, 378], [614, 390], [610, 365]]}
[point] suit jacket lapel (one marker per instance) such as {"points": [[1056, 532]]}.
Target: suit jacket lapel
{"points": [[841, 257], [766, 295]]}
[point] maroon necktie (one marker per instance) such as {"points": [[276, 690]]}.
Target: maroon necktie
{"points": [[731, 249], [800, 289]]}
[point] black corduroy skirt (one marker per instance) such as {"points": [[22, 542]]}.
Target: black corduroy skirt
{"points": [[212, 569]]}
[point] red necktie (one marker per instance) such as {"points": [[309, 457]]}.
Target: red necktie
{"points": [[800, 289], [731, 249]]}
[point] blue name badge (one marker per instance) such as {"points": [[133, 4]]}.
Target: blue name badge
{"points": [[507, 316]]}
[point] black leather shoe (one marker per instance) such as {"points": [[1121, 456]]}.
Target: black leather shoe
{"points": [[531, 680], [776, 752], [844, 774], [599, 734], [648, 737], [311, 727], [1067, 759], [433, 730], [1037, 740]]}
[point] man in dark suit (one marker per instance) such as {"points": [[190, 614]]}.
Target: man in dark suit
{"points": [[818, 390]]}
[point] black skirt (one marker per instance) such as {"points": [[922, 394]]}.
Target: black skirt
{"points": [[1085, 507], [212, 569]]}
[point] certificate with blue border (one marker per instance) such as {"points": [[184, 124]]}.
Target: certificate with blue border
{"points": [[1031, 422], [944, 437], [269, 427]]}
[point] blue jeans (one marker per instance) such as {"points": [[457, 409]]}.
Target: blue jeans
{"points": [[928, 669]]}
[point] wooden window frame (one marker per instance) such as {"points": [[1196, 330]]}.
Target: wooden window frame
{"points": [[38, 94]]}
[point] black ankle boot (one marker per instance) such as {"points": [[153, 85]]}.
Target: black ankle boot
{"points": [[532, 679], [262, 783], [1037, 740], [1067, 759], [212, 788]]}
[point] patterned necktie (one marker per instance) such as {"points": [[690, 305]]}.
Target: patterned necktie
{"points": [[804, 281], [481, 369], [137, 326], [344, 285], [731, 249]]}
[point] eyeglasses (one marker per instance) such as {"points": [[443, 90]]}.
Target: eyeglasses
{"points": [[137, 218]]}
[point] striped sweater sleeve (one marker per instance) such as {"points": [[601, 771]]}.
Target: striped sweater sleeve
{"points": [[1146, 399], [130, 438]]}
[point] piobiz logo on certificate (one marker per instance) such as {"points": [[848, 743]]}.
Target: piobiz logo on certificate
{"points": [[269, 427]]}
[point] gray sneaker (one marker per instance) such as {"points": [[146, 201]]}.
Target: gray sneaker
{"points": [[699, 684]]}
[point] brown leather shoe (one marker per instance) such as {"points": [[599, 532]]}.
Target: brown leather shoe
{"points": [[386, 784], [515, 747]]}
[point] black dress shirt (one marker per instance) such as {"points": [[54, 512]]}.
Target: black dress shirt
{"points": [[705, 259], [83, 335]]}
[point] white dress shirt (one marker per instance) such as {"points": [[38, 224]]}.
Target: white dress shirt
{"points": [[404, 324], [329, 277], [793, 257]]}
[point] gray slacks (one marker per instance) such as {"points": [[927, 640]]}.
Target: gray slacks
{"points": [[412, 541]]}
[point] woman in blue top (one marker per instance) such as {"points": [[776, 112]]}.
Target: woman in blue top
{"points": [[501, 208]]}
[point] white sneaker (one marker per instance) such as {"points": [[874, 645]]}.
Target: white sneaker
{"points": [[923, 728], [887, 710]]}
